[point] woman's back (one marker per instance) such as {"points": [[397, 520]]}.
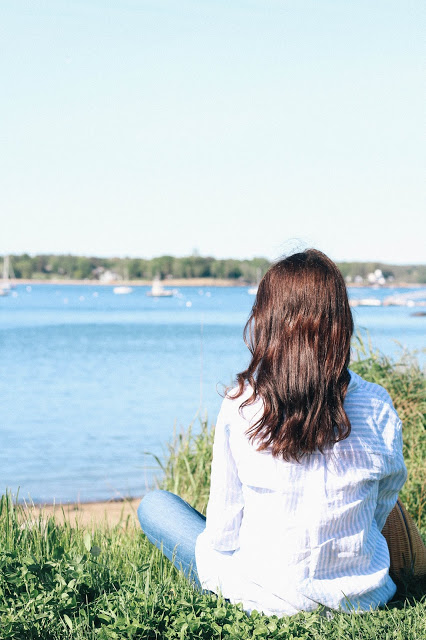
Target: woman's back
{"points": [[307, 461], [282, 536]]}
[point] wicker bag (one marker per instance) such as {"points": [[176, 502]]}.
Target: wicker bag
{"points": [[406, 549]]}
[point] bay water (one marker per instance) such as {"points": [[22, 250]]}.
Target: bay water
{"points": [[93, 384]]}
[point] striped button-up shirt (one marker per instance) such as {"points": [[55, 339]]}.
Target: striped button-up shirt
{"points": [[281, 536]]}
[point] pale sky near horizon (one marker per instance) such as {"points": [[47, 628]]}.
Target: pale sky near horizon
{"points": [[239, 129]]}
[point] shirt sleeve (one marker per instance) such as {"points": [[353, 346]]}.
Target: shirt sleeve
{"points": [[392, 481], [226, 504]]}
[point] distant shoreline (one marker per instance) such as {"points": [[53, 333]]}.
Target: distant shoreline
{"points": [[172, 282], [197, 282]]}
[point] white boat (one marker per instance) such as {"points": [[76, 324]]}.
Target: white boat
{"points": [[122, 290], [6, 284], [365, 302], [253, 290], [409, 299], [158, 291]]}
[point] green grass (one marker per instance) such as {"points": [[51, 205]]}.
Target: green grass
{"points": [[58, 581]]}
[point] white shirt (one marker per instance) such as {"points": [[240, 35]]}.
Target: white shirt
{"points": [[282, 536]]}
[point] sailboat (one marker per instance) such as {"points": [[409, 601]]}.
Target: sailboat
{"points": [[158, 291], [6, 284], [253, 290]]}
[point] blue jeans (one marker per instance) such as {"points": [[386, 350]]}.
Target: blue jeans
{"points": [[172, 525]]}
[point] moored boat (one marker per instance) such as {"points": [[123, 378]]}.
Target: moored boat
{"points": [[6, 284], [158, 291], [122, 289], [365, 302]]}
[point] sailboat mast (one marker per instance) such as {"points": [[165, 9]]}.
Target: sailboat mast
{"points": [[6, 268]]}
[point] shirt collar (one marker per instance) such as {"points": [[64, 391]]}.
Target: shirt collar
{"points": [[354, 381]]}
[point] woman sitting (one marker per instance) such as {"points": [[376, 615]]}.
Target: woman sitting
{"points": [[307, 462]]}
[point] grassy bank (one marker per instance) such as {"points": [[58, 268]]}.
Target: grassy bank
{"points": [[58, 581]]}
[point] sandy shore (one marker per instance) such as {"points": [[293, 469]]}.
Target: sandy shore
{"points": [[113, 512]]}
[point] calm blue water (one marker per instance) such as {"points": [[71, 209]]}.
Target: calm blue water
{"points": [[90, 381]]}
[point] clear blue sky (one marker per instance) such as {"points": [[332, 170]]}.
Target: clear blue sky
{"points": [[235, 128]]}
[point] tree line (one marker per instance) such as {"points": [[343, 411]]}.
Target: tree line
{"points": [[94, 268]]}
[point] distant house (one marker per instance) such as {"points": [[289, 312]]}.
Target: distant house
{"points": [[376, 277], [109, 276], [97, 272]]}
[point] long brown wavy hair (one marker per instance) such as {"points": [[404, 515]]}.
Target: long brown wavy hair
{"points": [[299, 333]]}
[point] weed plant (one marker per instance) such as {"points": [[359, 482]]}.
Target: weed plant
{"points": [[405, 382], [103, 582]]}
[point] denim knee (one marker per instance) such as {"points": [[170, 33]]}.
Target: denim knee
{"points": [[150, 504]]}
